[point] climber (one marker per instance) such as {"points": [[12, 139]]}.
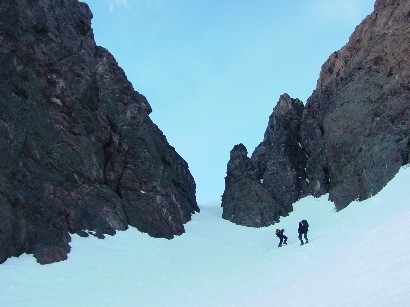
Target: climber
{"points": [[281, 236], [303, 230]]}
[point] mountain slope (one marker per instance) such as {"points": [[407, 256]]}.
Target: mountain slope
{"points": [[361, 109], [350, 138], [358, 256], [78, 151]]}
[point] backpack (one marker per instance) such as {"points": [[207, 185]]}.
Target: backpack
{"points": [[305, 224]]}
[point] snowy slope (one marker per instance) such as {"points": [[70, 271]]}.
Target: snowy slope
{"points": [[357, 257]]}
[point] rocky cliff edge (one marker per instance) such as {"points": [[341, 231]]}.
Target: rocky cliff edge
{"points": [[350, 138], [78, 151]]}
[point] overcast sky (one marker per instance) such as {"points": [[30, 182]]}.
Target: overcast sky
{"points": [[214, 70]]}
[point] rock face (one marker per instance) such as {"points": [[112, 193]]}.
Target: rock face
{"points": [[78, 151], [351, 137], [244, 186], [280, 159], [260, 189], [359, 114]]}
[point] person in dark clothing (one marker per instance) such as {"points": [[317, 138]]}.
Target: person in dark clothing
{"points": [[281, 236], [303, 230]]}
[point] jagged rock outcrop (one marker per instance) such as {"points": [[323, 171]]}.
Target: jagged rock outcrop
{"points": [[262, 188], [280, 159], [78, 151], [247, 202], [352, 136], [358, 118]]}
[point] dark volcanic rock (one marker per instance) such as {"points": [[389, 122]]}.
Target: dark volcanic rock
{"points": [[246, 201], [280, 159], [352, 136], [355, 128], [78, 150], [260, 189]]}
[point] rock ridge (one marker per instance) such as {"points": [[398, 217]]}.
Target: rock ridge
{"points": [[78, 151], [350, 138]]}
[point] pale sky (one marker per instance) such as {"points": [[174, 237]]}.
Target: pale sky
{"points": [[214, 70]]}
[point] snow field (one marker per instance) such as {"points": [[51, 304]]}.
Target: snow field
{"points": [[356, 257]]}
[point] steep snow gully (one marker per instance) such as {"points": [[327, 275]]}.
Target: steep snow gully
{"points": [[358, 256]]}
